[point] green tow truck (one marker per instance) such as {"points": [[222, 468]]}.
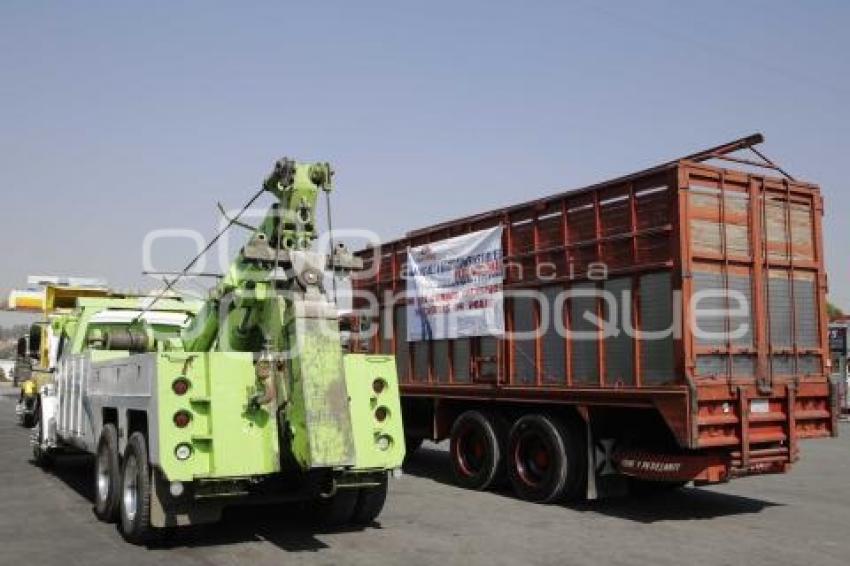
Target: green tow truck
{"points": [[244, 398]]}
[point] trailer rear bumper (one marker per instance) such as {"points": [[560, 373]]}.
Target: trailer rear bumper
{"points": [[701, 468]]}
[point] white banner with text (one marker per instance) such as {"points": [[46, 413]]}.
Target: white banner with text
{"points": [[455, 287]]}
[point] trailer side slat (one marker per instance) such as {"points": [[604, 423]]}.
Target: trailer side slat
{"points": [[666, 233]]}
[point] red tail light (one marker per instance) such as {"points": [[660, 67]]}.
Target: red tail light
{"points": [[182, 419], [180, 386]]}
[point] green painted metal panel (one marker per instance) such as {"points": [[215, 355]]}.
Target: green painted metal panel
{"points": [[318, 406], [361, 371], [229, 438]]}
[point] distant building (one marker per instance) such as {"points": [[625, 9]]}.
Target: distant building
{"points": [[8, 366]]}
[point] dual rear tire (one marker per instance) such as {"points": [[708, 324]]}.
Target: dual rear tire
{"points": [[477, 450], [123, 489], [136, 483], [547, 459], [357, 507], [544, 457], [370, 503], [107, 476]]}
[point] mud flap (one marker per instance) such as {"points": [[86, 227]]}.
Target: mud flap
{"points": [[168, 511], [603, 478]]}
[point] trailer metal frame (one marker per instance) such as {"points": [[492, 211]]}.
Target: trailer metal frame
{"points": [[687, 218]]}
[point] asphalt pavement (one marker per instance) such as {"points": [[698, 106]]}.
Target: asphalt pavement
{"points": [[799, 518]]}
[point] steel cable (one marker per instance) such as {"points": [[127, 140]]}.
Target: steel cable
{"points": [[210, 244]]}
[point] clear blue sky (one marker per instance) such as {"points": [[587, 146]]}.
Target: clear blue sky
{"points": [[116, 120]]}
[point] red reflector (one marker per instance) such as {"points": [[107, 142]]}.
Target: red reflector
{"points": [[181, 419], [180, 386]]}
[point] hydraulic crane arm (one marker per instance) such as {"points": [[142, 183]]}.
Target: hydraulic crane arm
{"points": [[237, 316], [272, 303]]}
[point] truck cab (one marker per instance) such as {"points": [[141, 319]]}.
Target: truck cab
{"points": [[37, 350]]}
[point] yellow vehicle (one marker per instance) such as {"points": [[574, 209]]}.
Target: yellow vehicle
{"points": [[37, 350]]}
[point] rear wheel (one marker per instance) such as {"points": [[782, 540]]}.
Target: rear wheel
{"points": [[337, 510], [546, 459], [135, 508], [40, 455], [476, 450], [107, 476], [370, 502]]}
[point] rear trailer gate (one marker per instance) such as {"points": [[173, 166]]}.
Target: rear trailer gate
{"points": [[737, 390]]}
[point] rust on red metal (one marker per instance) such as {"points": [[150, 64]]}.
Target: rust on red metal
{"points": [[664, 234]]}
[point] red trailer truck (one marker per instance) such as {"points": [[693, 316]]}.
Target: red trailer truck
{"points": [[715, 368]]}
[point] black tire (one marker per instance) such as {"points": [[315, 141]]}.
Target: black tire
{"points": [[107, 476], [476, 449], [135, 508], [547, 459], [412, 444], [40, 456], [370, 503], [336, 511]]}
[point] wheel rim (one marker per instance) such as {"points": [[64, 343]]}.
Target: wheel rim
{"points": [[103, 476], [533, 458], [130, 484], [470, 451]]}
